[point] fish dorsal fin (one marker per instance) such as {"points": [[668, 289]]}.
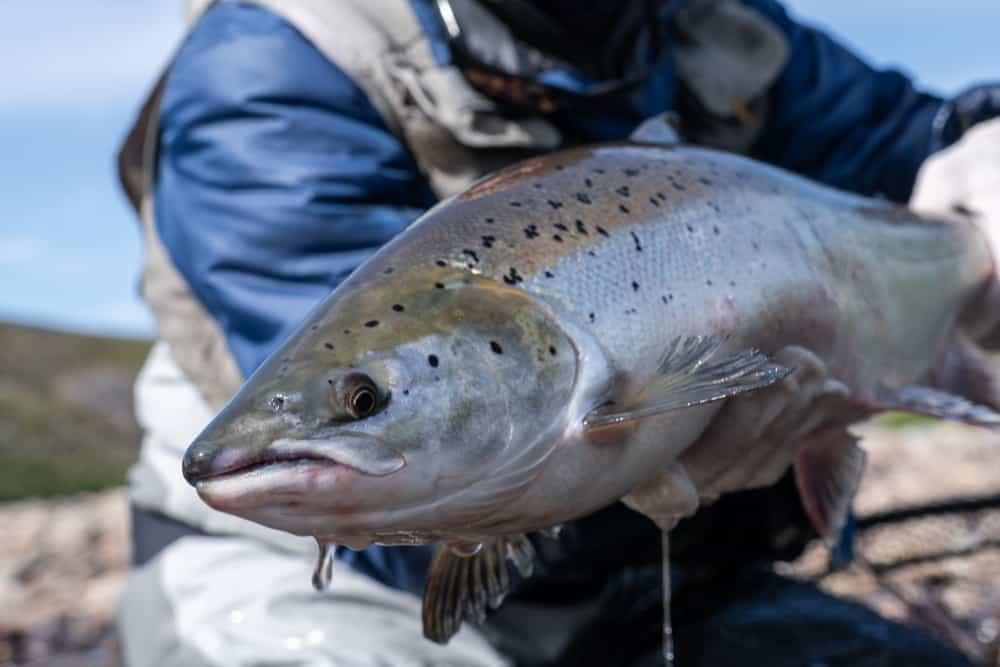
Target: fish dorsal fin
{"points": [[693, 371], [828, 470], [462, 588], [662, 128]]}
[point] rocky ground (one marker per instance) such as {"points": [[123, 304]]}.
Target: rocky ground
{"points": [[61, 569]]}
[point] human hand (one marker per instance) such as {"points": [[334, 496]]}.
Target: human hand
{"points": [[963, 181]]}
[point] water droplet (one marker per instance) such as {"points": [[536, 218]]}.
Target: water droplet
{"points": [[323, 573]]}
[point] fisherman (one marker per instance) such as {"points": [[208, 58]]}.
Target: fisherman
{"points": [[289, 139]]}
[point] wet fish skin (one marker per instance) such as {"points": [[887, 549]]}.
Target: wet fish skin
{"points": [[580, 268]]}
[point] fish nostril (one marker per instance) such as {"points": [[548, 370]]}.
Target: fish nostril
{"points": [[278, 402]]}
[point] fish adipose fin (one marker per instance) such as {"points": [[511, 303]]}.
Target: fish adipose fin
{"points": [[940, 404], [828, 470], [463, 587], [691, 372]]}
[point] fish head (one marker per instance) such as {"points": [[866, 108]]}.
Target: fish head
{"points": [[401, 408]]}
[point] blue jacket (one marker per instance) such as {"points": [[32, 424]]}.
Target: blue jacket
{"points": [[277, 177]]}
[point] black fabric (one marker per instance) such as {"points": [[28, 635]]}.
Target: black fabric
{"points": [[153, 532], [750, 617]]}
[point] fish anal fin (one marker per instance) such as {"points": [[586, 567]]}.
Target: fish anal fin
{"points": [[828, 471], [692, 371], [939, 404], [463, 587], [666, 499]]}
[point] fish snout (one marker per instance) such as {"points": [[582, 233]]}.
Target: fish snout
{"points": [[200, 461]]}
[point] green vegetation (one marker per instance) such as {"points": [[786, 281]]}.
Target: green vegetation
{"points": [[65, 411]]}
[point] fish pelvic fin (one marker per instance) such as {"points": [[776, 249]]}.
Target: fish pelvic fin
{"points": [[828, 470], [463, 587], [693, 371]]}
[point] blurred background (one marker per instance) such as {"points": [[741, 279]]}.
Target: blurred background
{"points": [[73, 333]]}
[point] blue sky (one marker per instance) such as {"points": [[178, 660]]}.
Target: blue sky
{"points": [[72, 74]]}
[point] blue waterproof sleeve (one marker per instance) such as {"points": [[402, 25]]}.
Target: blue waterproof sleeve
{"points": [[837, 120], [277, 177]]}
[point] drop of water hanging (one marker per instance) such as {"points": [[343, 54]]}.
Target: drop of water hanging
{"points": [[324, 567]]}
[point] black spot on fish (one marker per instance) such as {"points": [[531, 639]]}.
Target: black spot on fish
{"points": [[406, 392], [661, 196], [755, 245], [560, 167], [557, 238], [597, 170], [472, 254], [560, 226], [432, 360], [592, 253], [314, 327], [635, 286], [441, 262], [589, 183], [630, 172], [388, 270], [489, 221], [552, 350], [537, 186], [513, 277], [591, 317], [602, 231], [624, 191], [515, 204], [549, 274], [328, 346], [708, 282], [678, 186], [398, 307], [715, 207], [631, 311], [580, 228], [638, 244], [664, 299], [583, 198], [623, 208], [488, 241], [732, 283], [495, 346], [371, 324], [531, 231], [439, 285], [689, 228], [347, 332], [704, 181], [652, 200], [555, 204], [715, 229]]}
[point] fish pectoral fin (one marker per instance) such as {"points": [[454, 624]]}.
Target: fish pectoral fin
{"points": [[666, 499], [462, 588], [692, 372], [939, 404], [828, 470], [662, 129]]}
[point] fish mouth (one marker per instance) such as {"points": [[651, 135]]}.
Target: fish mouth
{"points": [[211, 461]]}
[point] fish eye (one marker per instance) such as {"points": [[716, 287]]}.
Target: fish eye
{"points": [[354, 396]]}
